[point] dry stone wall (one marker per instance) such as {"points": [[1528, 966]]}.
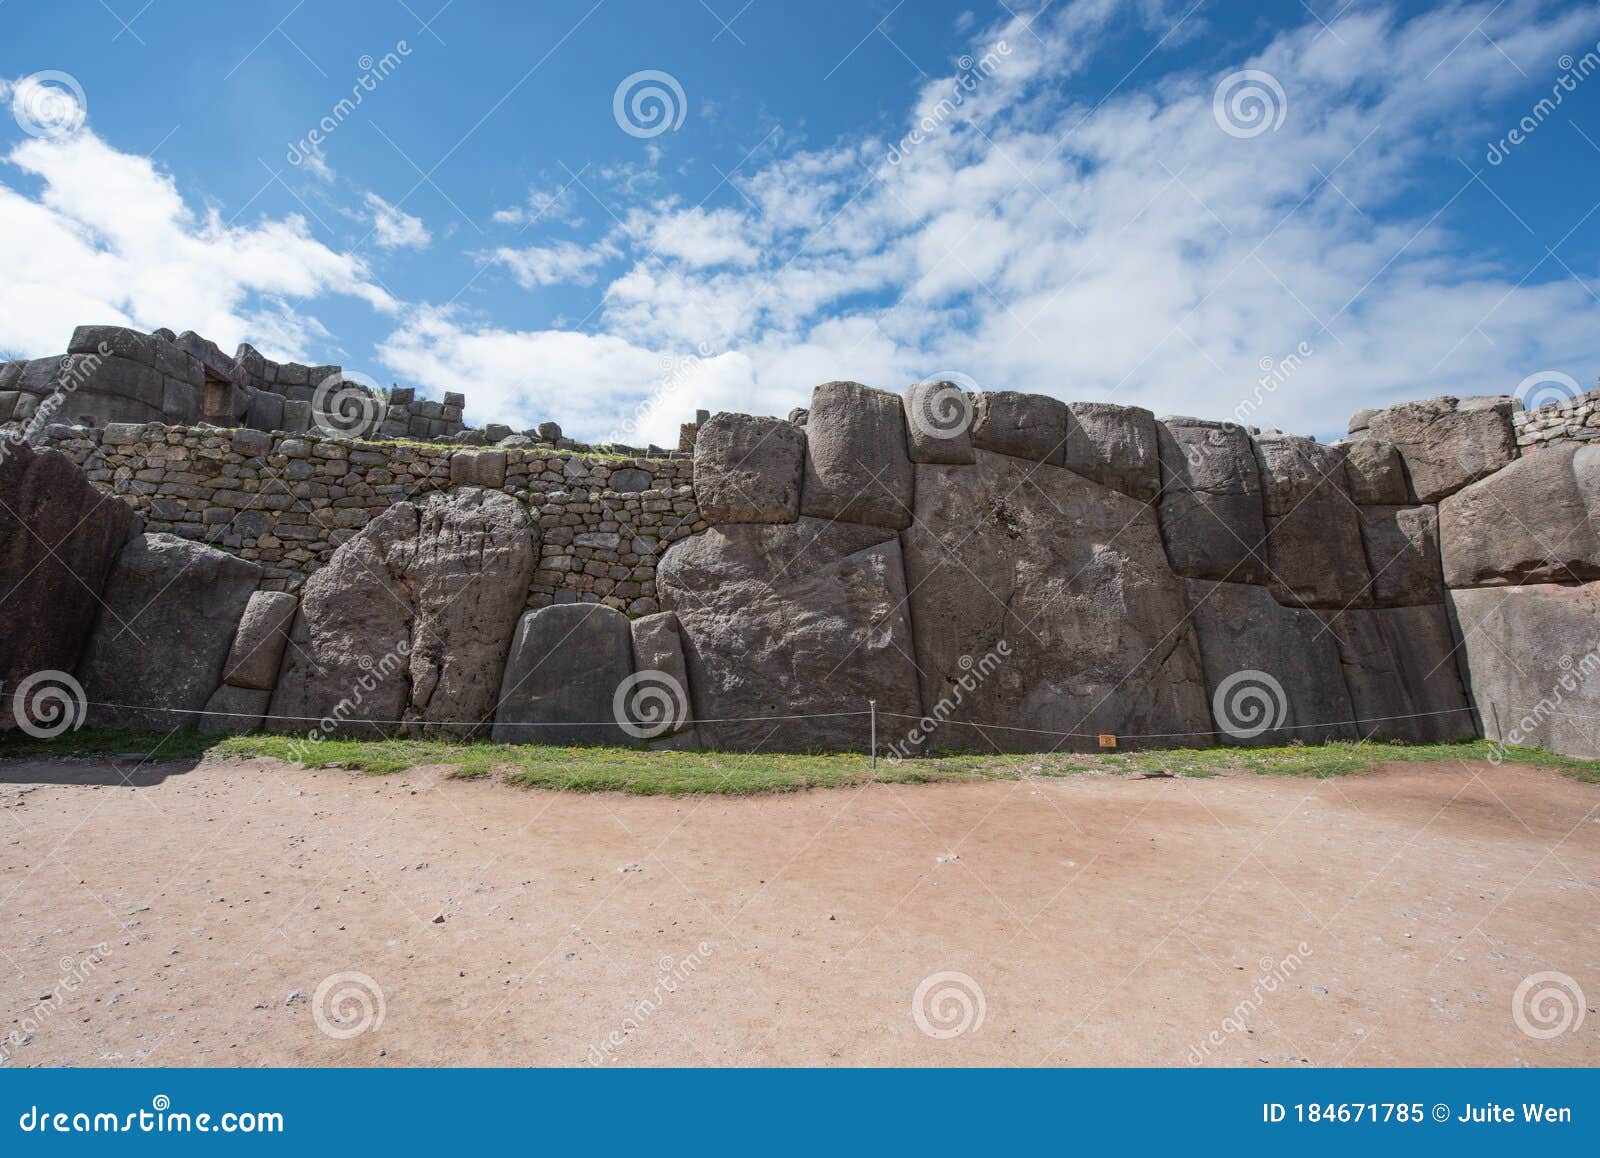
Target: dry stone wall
{"points": [[1572, 420]]}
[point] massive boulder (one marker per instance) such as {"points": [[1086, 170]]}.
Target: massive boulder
{"points": [[1402, 547], [1027, 426], [1115, 446], [857, 467], [1375, 471], [786, 627], [939, 423], [660, 701], [1535, 521], [1058, 590], [58, 540], [747, 469], [1401, 672], [563, 676], [259, 642], [167, 619], [1532, 664], [1210, 507], [410, 620], [1273, 673], [1447, 442], [1313, 529]]}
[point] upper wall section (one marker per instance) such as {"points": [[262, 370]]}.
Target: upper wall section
{"points": [[1573, 420]]}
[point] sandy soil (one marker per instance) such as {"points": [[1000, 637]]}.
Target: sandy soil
{"points": [[1379, 919]]}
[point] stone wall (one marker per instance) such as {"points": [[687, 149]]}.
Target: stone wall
{"points": [[288, 502], [1572, 420]]}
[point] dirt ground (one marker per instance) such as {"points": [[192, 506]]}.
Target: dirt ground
{"points": [[1380, 919]]}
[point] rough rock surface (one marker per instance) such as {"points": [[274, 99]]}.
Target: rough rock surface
{"points": [[1245, 635], [1211, 513], [562, 676], [1313, 529], [168, 615], [787, 621], [857, 467], [1447, 443], [1115, 446], [1375, 471], [1402, 675], [938, 423], [1536, 521], [1402, 548], [1068, 578], [258, 644], [662, 702], [1529, 659], [234, 710], [747, 469], [1027, 426], [59, 537]]}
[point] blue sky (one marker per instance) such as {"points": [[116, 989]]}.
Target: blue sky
{"points": [[1057, 198]]}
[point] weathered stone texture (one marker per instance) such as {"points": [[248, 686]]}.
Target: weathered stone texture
{"points": [[1402, 548], [747, 469], [1210, 507], [1313, 529], [1115, 446], [1402, 675], [857, 467], [1535, 521], [939, 423], [1448, 442], [1027, 426], [259, 642], [561, 680]]}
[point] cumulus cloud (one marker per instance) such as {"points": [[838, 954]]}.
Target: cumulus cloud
{"points": [[394, 228], [562, 263]]}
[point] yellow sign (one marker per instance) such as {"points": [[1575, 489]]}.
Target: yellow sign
{"points": [[1107, 741]]}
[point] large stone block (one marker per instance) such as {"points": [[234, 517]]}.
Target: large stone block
{"points": [[259, 642], [857, 467], [265, 412], [1026, 426], [478, 468], [806, 619], [658, 703], [1402, 547], [114, 342], [1210, 506], [1531, 659], [1535, 521], [1273, 673], [1313, 529], [167, 619], [1401, 672], [938, 423], [1447, 442], [1115, 446], [562, 678], [747, 469], [1042, 603], [59, 537], [234, 711], [1375, 471]]}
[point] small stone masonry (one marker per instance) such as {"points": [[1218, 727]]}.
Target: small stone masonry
{"points": [[1573, 420]]}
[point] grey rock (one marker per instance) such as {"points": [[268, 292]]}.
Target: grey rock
{"points": [[515, 440], [1532, 522], [629, 480], [167, 619], [1042, 602], [1444, 446], [234, 711], [495, 431], [259, 642], [799, 415], [1402, 548], [550, 431], [451, 398], [659, 704], [402, 395], [1211, 510], [799, 619], [296, 416], [747, 469], [478, 468], [1116, 446], [561, 680], [857, 468], [1402, 677], [1313, 529], [1375, 472], [1273, 673], [938, 423], [1028, 426]]}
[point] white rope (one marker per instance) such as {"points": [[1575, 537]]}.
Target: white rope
{"points": [[464, 723], [1171, 735]]}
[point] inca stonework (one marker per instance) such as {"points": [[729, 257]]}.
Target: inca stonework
{"points": [[990, 570]]}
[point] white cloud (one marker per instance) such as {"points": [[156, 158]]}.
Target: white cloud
{"points": [[394, 228], [557, 206], [562, 263]]}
